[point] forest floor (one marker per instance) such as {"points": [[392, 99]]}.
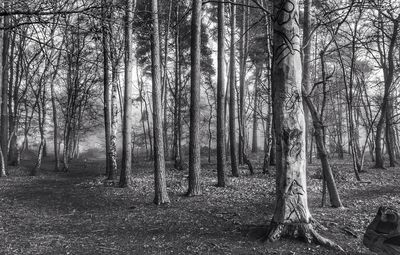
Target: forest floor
{"points": [[75, 213]]}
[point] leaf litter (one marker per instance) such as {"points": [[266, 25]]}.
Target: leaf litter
{"points": [[76, 213]]}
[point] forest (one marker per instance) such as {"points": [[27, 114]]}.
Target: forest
{"points": [[200, 127]]}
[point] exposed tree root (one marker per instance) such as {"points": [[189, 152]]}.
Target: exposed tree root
{"points": [[304, 231]]}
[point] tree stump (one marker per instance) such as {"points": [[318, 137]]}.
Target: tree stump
{"points": [[383, 233]]}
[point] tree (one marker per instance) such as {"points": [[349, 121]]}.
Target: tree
{"points": [[243, 54], [5, 84], [386, 41], [221, 97], [232, 94], [40, 96], [2, 158], [126, 169], [160, 185], [55, 120], [177, 141], [194, 142], [107, 88], [116, 54], [291, 214], [318, 124]]}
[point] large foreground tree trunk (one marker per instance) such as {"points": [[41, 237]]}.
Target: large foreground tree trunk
{"points": [[160, 184], [194, 143], [291, 216]]}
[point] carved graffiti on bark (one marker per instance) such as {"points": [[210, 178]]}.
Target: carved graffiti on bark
{"points": [[294, 205]]}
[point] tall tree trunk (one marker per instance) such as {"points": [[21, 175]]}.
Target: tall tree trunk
{"points": [[2, 158], [177, 99], [55, 119], [242, 76], [70, 111], [291, 216], [254, 148], [125, 177], [14, 155], [114, 125], [141, 95], [269, 131], [307, 39], [378, 139], [340, 128], [42, 118], [390, 139], [221, 97], [115, 59], [210, 134], [388, 66], [164, 93], [148, 111], [107, 87], [232, 95], [267, 139], [194, 142], [319, 128], [272, 154], [41, 109], [323, 155], [11, 115], [4, 91], [160, 184]]}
